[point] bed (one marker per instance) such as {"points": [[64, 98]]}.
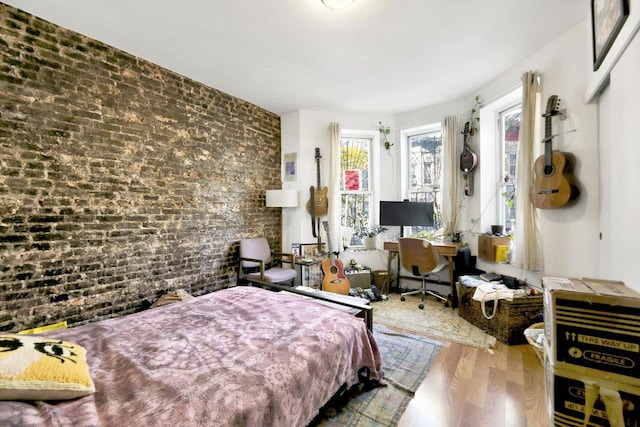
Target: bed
{"points": [[242, 356]]}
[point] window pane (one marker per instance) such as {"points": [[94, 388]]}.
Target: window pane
{"points": [[426, 173], [354, 156], [510, 135]]}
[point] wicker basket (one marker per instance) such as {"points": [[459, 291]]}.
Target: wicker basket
{"points": [[537, 348], [510, 320]]}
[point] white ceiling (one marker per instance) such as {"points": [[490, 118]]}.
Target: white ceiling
{"points": [[383, 56]]}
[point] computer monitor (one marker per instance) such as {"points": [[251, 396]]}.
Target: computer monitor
{"points": [[406, 214]]}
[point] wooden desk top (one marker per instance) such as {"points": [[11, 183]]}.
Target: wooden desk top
{"points": [[443, 248]]}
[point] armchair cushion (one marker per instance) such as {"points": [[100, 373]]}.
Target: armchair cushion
{"points": [[274, 275]]}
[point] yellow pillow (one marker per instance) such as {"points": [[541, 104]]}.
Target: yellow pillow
{"points": [[40, 368], [41, 329]]}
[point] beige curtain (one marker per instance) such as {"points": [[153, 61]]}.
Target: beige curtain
{"points": [[451, 175], [528, 250], [334, 191]]}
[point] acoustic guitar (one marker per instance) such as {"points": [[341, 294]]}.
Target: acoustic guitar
{"points": [[553, 186], [468, 162], [333, 269]]}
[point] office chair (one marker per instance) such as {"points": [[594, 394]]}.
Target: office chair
{"points": [[258, 263], [420, 258]]}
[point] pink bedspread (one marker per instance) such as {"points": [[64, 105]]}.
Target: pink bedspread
{"points": [[237, 357]]}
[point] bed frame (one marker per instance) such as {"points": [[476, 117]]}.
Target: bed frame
{"points": [[356, 306]]}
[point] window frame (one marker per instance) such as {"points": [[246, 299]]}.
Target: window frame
{"points": [[502, 153], [373, 138], [491, 169], [406, 188]]}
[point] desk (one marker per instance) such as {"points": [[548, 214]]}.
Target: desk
{"points": [[448, 250]]}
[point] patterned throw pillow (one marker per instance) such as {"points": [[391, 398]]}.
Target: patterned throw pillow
{"points": [[40, 368]]}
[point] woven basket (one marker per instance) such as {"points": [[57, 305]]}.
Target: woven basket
{"points": [[509, 322], [537, 348]]}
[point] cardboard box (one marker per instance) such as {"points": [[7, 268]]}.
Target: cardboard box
{"points": [[572, 392], [593, 324], [488, 245]]}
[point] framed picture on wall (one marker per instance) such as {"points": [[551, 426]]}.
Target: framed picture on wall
{"points": [[290, 172], [607, 18]]}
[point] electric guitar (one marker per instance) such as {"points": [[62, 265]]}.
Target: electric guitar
{"points": [[468, 162], [319, 194], [334, 278], [553, 186], [318, 204]]}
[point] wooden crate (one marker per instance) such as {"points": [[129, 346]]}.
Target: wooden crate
{"points": [[509, 322]]}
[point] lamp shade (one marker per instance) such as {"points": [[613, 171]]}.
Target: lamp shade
{"points": [[281, 199], [337, 4]]}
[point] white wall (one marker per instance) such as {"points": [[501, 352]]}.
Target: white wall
{"points": [[601, 134], [302, 131], [569, 234], [619, 109]]}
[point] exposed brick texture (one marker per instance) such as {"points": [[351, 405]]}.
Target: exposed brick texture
{"points": [[119, 179]]}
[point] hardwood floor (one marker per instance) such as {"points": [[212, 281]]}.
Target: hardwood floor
{"points": [[469, 387]]}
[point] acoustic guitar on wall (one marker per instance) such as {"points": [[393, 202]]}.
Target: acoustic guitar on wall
{"points": [[554, 185], [333, 269]]}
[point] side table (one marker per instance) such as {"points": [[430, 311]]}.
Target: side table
{"points": [[306, 263]]}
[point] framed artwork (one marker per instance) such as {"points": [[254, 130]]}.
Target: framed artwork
{"points": [[310, 250], [290, 166], [607, 18]]}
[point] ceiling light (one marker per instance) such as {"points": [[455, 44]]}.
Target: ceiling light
{"points": [[337, 4]]}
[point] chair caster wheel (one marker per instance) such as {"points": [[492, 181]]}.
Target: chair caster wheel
{"points": [[401, 298], [446, 304], [421, 306]]}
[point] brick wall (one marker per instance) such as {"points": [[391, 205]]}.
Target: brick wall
{"points": [[119, 179]]}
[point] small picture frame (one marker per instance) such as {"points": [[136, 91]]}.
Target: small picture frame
{"points": [[607, 18], [295, 249]]}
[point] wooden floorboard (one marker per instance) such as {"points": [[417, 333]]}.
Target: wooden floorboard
{"points": [[469, 387]]}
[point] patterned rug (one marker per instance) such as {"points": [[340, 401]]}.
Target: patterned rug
{"points": [[406, 360], [435, 321]]}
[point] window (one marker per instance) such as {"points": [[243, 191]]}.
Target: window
{"points": [[424, 146], [355, 187], [509, 136], [499, 138]]}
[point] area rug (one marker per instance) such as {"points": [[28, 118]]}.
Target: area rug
{"points": [[406, 361], [435, 321]]}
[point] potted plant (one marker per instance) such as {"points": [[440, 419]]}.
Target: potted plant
{"points": [[371, 234], [384, 135]]}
